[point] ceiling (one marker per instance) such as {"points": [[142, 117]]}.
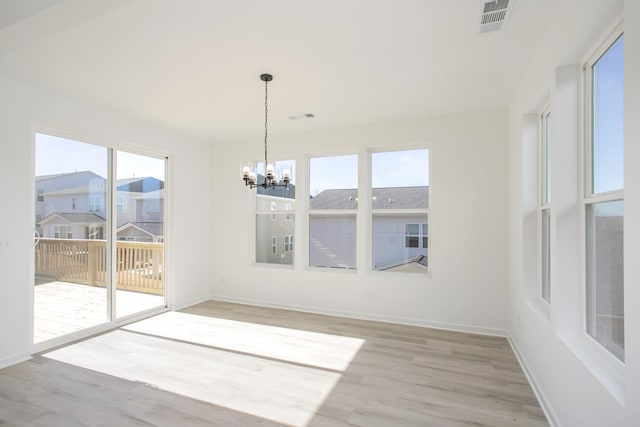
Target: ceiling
{"points": [[193, 65]]}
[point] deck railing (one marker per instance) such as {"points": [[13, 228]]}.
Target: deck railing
{"points": [[139, 265]]}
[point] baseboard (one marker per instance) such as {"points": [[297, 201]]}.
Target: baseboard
{"points": [[368, 316], [12, 360], [189, 303], [546, 408]]}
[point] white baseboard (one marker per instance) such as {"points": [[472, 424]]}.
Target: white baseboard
{"points": [[12, 360], [194, 301], [548, 412], [368, 316]]}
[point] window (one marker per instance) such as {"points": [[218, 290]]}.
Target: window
{"points": [[412, 234], [545, 205], [40, 196], [95, 203], [275, 217], [416, 235], [604, 201], [63, 232], [425, 236], [73, 204], [333, 203], [400, 210], [288, 243], [94, 232], [120, 204]]}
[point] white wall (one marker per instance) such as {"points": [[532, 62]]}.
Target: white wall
{"points": [[468, 201], [578, 383], [188, 257]]}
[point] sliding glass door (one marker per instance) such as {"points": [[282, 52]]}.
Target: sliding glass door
{"points": [[140, 233], [99, 222], [71, 221]]}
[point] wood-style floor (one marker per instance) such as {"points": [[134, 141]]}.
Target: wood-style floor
{"points": [[221, 364]]}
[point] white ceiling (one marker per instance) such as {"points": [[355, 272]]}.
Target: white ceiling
{"points": [[193, 65]]}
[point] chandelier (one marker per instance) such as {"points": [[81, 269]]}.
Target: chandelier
{"points": [[269, 180]]}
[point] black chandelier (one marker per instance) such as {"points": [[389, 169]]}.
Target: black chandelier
{"points": [[270, 180]]}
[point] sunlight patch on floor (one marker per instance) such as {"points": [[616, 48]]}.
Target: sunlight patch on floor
{"points": [[280, 374], [314, 349]]}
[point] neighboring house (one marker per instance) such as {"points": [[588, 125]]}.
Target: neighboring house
{"points": [[399, 239], [73, 226], [275, 231], [69, 192], [67, 200], [141, 232]]}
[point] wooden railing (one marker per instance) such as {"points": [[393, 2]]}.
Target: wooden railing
{"points": [[139, 265]]}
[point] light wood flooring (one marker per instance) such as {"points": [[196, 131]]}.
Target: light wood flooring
{"points": [[221, 364]]}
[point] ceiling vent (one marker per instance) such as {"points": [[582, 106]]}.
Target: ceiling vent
{"points": [[494, 15], [302, 116]]}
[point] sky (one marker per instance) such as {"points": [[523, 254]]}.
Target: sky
{"points": [[389, 169], [406, 168], [59, 155], [608, 126]]}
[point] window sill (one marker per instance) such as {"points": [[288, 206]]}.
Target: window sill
{"points": [[605, 367]]}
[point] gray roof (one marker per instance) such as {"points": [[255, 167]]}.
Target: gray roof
{"points": [[153, 228], [383, 198], [61, 181], [77, 218]]}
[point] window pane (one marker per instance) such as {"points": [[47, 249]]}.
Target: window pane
{"points": [[333, 182], [400, 182], [278, 198], [608, 142], [412, 229], [140, 196], [547, 159], [393, 250], [411, 242], [268, 233], [70, 270], [400, 179], [275, 217], [605, 281], [545, 256], [332, 241]]}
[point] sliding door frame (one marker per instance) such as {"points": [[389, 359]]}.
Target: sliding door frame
{"points": [[112, 321]]}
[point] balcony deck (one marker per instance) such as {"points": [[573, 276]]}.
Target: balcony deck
{"points": [[61, 308]]}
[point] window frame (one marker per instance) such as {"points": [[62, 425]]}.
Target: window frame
{"points": [[545, 253], [333, 213], [371, 212], [591, 199], [272, 211]]}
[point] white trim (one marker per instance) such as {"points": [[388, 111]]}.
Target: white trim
{"points": [[189, 303], [14, 359], [537, 389], [456, 327]]}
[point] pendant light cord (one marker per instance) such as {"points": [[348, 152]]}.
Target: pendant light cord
{"points": [[265, 128]]}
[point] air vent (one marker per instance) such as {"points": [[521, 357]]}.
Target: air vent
{"points": [[494, 15], [302, 116]]}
